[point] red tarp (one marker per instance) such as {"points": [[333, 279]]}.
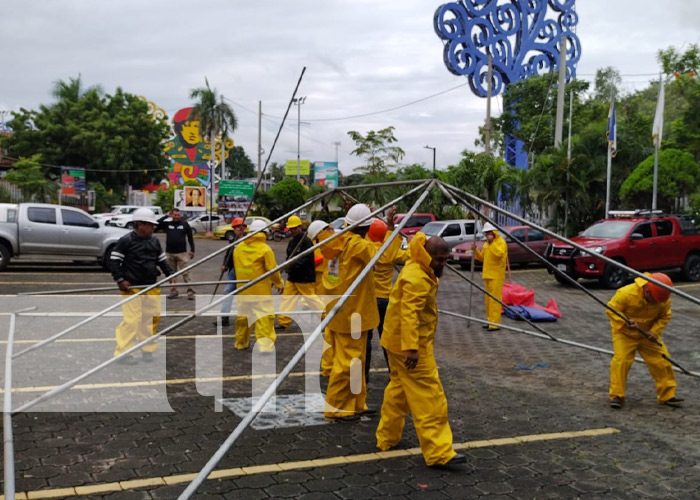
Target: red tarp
{"points": [[517, 295]]}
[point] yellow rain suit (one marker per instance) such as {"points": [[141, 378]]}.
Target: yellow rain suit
{"points": [[384, 268], [651, 317], [141, 318], [494, 257], [251, 259], [410, 324], [347, 392], [327, 285]]}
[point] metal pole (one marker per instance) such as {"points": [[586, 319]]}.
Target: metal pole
{"points": [[8, 439], [568, 160], [262, 401], [167, 278], [607, 183], [656, 175], [546, 231], [489, 91], [111, 288], [259, 138], [380, 184], [559, 124], [67, 385]]}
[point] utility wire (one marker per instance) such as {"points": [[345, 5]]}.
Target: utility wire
{"points": [[47, 165]]}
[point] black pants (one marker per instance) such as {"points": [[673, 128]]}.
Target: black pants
{"points": [[381, 305]]}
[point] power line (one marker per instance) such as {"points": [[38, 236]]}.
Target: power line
{"points": [[47, 165]]}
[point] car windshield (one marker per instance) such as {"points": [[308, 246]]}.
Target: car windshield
{"points": [[432, 228], [608, 229]]}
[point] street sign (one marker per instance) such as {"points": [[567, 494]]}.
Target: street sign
{"points": [[236, 188], [291, 167]]}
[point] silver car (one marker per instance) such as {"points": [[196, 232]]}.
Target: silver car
{"points": [[453, 232]]}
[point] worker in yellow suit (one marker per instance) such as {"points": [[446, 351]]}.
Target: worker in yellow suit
{"points": [[318, 231], [379, 232], [347, 393], [409, 336], [252, 258], [647, 306], [494, 256]]}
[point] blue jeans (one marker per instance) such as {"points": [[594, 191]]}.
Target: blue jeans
{"points": [[381, 305], [230, 287]]}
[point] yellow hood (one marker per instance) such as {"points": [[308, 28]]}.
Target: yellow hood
{"points": [[417, 253]]}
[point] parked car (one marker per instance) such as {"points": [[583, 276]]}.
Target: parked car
{"points": [[125, 219], [200, 223], [55, 231], [225, 231], [533, 238], [413, 224], [453, 232], [114, 211], [642, 240]]}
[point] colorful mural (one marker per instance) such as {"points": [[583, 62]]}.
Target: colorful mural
{"points": [[190, 153]]}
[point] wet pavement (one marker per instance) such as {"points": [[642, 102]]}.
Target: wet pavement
{"points": [[530, 414]]}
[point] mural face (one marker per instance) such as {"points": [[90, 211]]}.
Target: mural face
{"points": [[189, 154]]}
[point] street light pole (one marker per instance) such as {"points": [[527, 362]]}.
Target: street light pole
{"points": [[299, 101], [434, 149]]}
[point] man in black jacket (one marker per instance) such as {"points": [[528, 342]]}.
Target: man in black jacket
{"points": [[301, 275], [134, 263], [177, 234]]}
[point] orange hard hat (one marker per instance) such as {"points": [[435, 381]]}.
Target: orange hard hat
{"points": [[377, 230], [238, 221], [659, 294]]}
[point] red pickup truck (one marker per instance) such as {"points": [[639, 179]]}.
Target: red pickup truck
{"points": [[644, 241]]}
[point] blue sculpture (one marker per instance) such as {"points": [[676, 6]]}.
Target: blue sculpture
{"points": [[520, 37]]}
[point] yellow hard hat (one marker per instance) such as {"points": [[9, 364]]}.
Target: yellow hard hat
{"points": [[293, 222]]}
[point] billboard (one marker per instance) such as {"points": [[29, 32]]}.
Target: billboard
{"points": [[326, 174], [236, 189], [73, 181], [191, 199], [291, 167]]}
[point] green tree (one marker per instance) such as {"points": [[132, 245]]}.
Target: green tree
{"points": [[113, 136], [287, 195], [674, 62], [679, 177], [27, 174], [276, 171], [377, 150], [106, 198], [239, 164], [606, 80]]}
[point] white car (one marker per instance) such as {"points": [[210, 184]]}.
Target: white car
{"points": [[200, 224], [125, 218]]}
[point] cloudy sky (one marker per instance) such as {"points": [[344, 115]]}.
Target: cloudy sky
{"points": [[362, 57]]}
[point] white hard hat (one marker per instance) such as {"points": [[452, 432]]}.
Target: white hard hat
{"points": [[144, 215], [488, 227], [257, 225], [316, 227], [357, 213]]}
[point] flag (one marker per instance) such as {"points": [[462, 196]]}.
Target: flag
{"points": [[657, 130], [612, 127]]}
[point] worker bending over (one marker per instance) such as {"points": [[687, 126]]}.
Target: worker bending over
{"points": [[409, 336], [494, 256], [648, 306]]}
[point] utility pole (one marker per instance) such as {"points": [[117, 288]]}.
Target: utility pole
{"points": [[337, 145], [489, 91], [434, 149], [559, 125], [568, 160], [299, 101], [260, 138]]}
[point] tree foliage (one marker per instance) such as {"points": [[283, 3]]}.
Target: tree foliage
{"points": [[377, 150], [286, 195], [239, 164], [113, 136], [27, 174]]}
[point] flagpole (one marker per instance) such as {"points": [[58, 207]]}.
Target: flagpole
{"points": [[607, 190], [657, 142]]}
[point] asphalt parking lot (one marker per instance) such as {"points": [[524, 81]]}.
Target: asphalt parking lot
{"points": [[530, 414]]}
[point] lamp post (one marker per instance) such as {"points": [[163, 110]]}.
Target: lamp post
{"points": [[434, 149], [299, 101]]}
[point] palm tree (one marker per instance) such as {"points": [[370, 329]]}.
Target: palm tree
{"points": [[215, 116]]}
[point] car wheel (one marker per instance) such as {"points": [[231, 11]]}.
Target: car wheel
{"points": [[691, 268], [129, 225], [4, 257], [614, 277], [230, 235], [561, 278], [277, 236]]}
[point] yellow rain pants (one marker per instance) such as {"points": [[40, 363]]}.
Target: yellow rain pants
{"points": [[293, 294], [418, 391], [141, 318], [347, 392], [493, 307]]}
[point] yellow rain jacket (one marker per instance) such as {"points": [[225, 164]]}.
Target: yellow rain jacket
{"points": [[494, 256], [384, 268], [352, 253], [252, 258], [411, 318], [629, 300], [322, 265]]}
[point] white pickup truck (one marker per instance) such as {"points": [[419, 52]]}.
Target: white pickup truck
{"points": [[34, 229]]}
